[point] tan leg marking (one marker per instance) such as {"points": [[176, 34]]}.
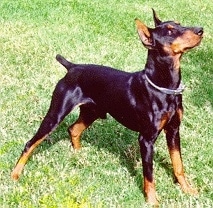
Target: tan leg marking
{"points": [[179, 172], [23, 159], [75, 132], [164, 119], [150, 192]]}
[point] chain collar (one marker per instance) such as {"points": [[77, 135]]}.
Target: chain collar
{"points": [[167, 91]]}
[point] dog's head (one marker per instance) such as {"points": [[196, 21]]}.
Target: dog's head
{"points": [[169, 36]]}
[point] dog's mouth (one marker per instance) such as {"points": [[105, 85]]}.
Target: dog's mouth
{"points": [[196, 44], [199, 39], [187, 41], [192, 38]]}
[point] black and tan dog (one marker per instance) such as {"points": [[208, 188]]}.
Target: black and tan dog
{"points": [[147, 101]]}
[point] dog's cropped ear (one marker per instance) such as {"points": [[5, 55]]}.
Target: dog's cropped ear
{"points": [[144, 34], [156, 19]]}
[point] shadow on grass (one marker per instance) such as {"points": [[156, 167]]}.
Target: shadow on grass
{"points": [[113, 138], [106, 134]]}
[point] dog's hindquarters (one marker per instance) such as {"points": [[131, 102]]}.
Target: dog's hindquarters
{"points": [[62, 104]]}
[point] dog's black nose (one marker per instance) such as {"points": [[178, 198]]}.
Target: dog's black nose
{"points": [[199, 31]]}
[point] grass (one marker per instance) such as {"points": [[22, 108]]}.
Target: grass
{"points": [[107, 171]]}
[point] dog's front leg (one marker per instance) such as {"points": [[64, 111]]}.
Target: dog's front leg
{"points": [[147, 153], [173, 142]]}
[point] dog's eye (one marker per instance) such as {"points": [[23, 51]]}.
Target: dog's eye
{"points": [[170, 32]]}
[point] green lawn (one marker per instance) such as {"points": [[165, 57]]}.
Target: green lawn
{"points": [[107, 171]]}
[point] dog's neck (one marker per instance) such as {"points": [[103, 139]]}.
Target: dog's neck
{"points": [[163, 70]]}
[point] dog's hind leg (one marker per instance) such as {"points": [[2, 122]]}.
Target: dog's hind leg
{"points": [[62, 103], [88, 114]]}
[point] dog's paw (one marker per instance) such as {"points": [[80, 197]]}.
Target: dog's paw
{"points": [[15, 176], [188, 189], [152, 199]]}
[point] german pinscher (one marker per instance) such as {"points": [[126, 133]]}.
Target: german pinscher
{"points": [[147, 101]]}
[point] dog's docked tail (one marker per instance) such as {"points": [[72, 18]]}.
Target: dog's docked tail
{"points": [[68, 65]]}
